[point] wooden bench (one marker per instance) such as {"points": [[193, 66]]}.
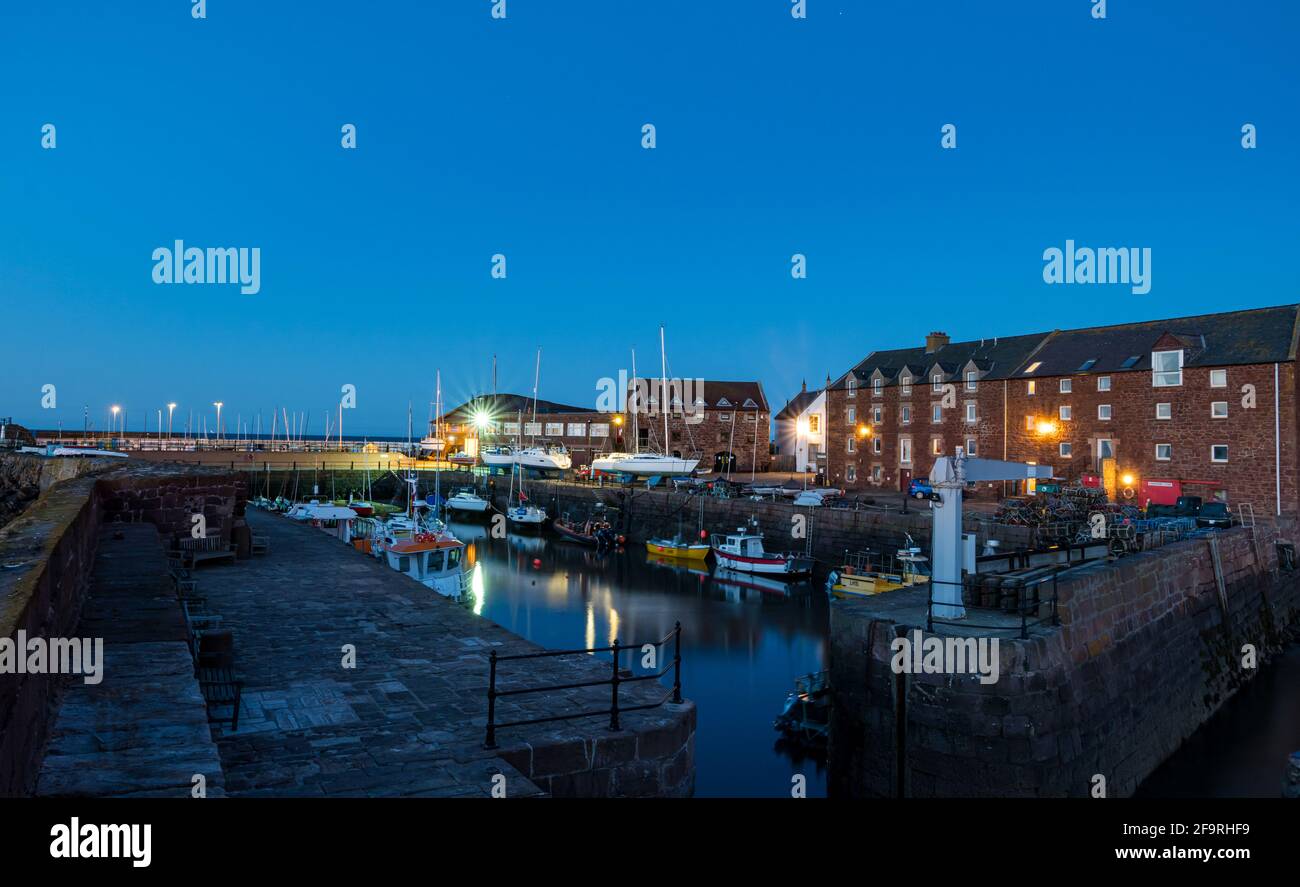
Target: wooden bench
{"points": [[216, 674], [207, 548]]}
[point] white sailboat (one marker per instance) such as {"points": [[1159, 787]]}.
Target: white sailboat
{"points": [[609, 462], [468, 502], [657, 464], [521, 512]]}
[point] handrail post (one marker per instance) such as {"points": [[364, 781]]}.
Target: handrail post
{"points": [[613, 711], [677, 664], [491, 741], [929, 606]]}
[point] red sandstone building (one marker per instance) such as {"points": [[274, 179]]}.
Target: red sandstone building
{"points": [[1202, 406]]}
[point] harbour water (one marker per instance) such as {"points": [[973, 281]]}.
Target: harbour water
{"points": [[745, 640]]}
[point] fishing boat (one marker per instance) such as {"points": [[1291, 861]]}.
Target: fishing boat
{"points": [[677, 547], [466, 501], [435, 560], [594, 531], [859, 576], [743, 551]]}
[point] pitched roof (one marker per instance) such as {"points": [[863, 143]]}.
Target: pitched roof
{"points": [[503, 406], [1258, 335], [1001, 356], [797, 404], [716, 394]]}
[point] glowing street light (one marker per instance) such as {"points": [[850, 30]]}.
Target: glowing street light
{"points": [[1045, 428], [171, 407], [218, 404], [113, 429]]}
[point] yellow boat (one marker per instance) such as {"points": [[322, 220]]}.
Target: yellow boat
{"points": [[858, 577], [677, 548]]}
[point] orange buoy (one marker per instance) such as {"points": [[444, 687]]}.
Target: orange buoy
{"points": [[537, 563]]}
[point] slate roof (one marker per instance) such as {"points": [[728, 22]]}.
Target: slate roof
{"points": [[503, 406], [715, 392], [1259, 335], [997, 359], [797, 404]]}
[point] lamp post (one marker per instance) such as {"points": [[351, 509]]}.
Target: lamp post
{"points": [[113, 425], [218, 404], [171, 408]]}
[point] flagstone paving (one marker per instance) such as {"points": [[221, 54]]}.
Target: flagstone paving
{"points": [[409, 718]]}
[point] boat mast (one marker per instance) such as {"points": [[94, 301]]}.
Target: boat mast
{"points": [[537, 376], [636, 405], [663, 380]]}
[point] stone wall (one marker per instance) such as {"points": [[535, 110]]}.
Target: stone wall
{"points": [[47, 554], [168, 498], [654, 758], [1148, 649]]}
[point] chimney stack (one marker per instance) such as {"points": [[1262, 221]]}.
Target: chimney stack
{"points": [[935, 341]]}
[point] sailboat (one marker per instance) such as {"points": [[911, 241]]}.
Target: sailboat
{"points": [[655, 464], [523, 514], [542, 458], [609, 462]]}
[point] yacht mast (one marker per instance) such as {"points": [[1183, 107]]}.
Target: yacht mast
{"points": [[537, 376], [663, 379], [636, 406]]}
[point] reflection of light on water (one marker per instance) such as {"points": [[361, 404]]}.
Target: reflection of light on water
{"points": [[613, 624], [589, 636], [477, 586]]}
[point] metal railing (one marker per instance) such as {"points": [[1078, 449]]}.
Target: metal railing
{"points": [[615, 680], [1029, 604]]}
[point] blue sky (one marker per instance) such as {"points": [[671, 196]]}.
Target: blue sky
{"points": [[523, 137]]}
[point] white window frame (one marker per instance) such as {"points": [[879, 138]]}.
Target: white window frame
{"points": [[936, 414], [1169, 454], [936, 446], [1169, 411], [1031, 388], [1065, 450], [851, 385], [1222, 461], [1166, 378], [972, 446], [577, 429], [1221, 374], [877, 446], [1103, 383], [1065, 413], [905, 451], [1216, 415], [907, 414], [936, 383], [906, 383], [853, 415], [877, 473], [1067, 386], [971, 415], [972, 380], [877, 387], [850, 473], [877, 414], [850, 445], [1109, 412]]}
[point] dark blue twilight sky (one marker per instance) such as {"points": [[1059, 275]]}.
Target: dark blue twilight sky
{"points": [[478, 136]]}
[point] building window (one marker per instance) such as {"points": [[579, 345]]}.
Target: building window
{"points": [[877, 387], [970, 412], [936, 413], [1103, 412], [1031, 387], [876, 445], [577, 429], [598, 429], [852, 385], [937, 383], [1166, 369], [876, 473], [971, 449], [972, 380], [1164, 452], [853, 415], [511, 429], [907, 415], [905, 450], [1105, 449], [1029, 423], [554, 429], [1103, 383], [907, 385], [851, 473], [1219, 409], [876, 416], [936, 446], [1219, 453], [724, 417], [1218, 378], [532, 429], [814, 424], [851, 445], [1067, 450], [1066, 414], [1164, 411], [1067, 385], [1033, 366]]}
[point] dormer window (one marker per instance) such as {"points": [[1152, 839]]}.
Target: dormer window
{"points": [[877, 386], [906, 382], [972, 377], [1166, 369], [749, 404], [852, 385], [724, 402], [936, 382]]}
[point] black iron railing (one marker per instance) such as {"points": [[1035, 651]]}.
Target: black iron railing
{"points": [[1017, 598], [615, 680]]}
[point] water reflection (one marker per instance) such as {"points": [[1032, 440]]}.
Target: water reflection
{"points": [[745, 639]]}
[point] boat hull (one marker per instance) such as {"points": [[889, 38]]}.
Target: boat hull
{"points": [[768, 566], [662, 466], [685, 552]]}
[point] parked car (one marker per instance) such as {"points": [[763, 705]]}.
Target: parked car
{"points": [[1214, 514], [920, 488]]}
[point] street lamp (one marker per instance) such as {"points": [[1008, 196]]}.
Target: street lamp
{"points": [[113, 430], [171, 408], [218, 404]]}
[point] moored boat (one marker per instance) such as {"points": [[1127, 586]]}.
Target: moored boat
{"points": [[860, 576], [593, 531], [467, 502], [677, 547], [743, 551]]}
